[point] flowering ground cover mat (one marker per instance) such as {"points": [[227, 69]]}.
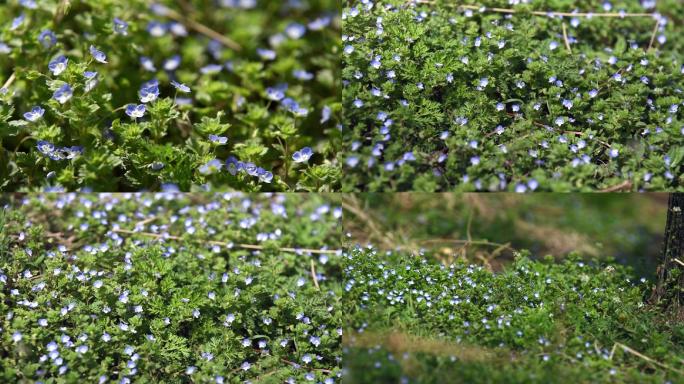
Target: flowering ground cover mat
{"points": [[134, 95], [459, 299], [204, 288], [539, 95]]}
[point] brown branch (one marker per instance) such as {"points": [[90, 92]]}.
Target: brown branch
{"points": [[222, 243], [565, 38], [9, 81], [313, 275], [625, 185], [644, 357], [653, 35], [201, 28]]}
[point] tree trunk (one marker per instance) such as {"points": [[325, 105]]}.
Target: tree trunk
{"points": [[670, 287]]}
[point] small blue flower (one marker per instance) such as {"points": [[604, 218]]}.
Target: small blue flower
{"points": [[135, 111], [303, 155], [325, 114], [156, 29], [295, 31], [559, 121], [99, 56], [45, 147], [120, 26], [17, 22], [172, 63], [181, 87], [276, 93], [265, 176], [149, 91], [63, 94], [29, 4], [266, 54], [218, 139], [47, 38], [211, 69], [92, 80], [147, 64], [319, 23], [302, 75], [613, 153], [233, 165], [34, 114], [212, 166], [533, 184], [58, 65]]}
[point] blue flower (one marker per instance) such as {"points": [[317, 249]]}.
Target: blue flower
{"points": [[47, 38], [210, 69], [302, 75], [276, 93], [303, 155], [172, 63], [147, 64], [266, 54], [295, 31], [559, 121], [156, 28], [218, 139], [58, 65], [45, 147], [181, 87], [30, 4], [63, 94], [135, 111], [17, 22], [99, 56], [92, 80], [325, 114], [149, 91], [264, 175], [212, 166], [120, 26], [34, 114], [233, 165], [319, 23]]}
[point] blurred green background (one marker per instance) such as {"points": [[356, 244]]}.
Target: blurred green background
{"points": [[626, 227]]}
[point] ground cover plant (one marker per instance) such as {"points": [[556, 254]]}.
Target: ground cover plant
{"points": [[443, 95], [139, 95], [440, 288], [220, 288], [414, 319]]}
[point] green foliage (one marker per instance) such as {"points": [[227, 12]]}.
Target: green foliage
{"points": [[441, 98], [68, 268], [536, 321], [98, 146]]}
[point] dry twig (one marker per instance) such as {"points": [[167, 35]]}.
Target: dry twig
{"points": [[225, 244]]}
